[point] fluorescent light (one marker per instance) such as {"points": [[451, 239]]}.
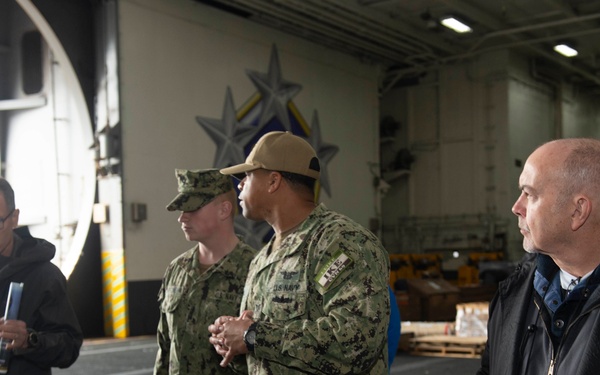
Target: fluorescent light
{"points": [[565, 50], [456, 25]]}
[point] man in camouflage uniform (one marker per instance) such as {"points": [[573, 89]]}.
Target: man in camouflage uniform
{"points": [[316, 300], [206, 280]]}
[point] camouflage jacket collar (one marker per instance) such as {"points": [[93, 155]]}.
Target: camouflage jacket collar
{"points": [[295, 240], [191, 263]]}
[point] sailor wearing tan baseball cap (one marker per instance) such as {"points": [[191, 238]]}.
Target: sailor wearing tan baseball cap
{"points": [[327, 258], [280, 151]]}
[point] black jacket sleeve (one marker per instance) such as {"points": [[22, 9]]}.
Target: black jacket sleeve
{"points": [[56, 324]]}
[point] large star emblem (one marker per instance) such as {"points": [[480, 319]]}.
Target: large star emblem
{"points": [[271, 108], [275, 93], [325, 151], [229, 135]]}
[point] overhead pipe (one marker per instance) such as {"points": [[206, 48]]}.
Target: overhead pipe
{"points": [[343, 14], [394, 35], [444, 60], [485, 18], [332, 19], [329, 32], [396, 25], [544, 25], [526, 43], [327, 13], [441, 62]]}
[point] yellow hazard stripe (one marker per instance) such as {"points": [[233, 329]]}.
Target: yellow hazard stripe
{"points": [[114, 294]]}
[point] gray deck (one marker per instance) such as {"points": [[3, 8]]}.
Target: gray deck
{"points": [[135, 356]]}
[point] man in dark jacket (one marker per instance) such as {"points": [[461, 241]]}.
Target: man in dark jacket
{"points": [[545, 318], [46, 333]]}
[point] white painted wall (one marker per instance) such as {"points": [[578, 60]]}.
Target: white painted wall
{"points": [[176, 60]]}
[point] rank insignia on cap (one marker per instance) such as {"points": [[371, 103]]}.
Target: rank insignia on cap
{"points": [[333, 268]]}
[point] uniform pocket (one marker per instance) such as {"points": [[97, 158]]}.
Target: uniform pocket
{"points": [[225, 297], [173, 296], [285, 306]]}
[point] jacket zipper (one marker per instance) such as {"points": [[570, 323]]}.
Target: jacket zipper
{"points": [[553, 358], [552, 355], [551, 368]]}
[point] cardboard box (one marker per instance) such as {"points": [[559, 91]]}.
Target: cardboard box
{"points": [[410, 308], [436, 298], [477, 293]]}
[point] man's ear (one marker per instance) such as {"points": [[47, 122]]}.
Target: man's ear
{"points": [[225, 209], [15, 218], [583, 209], [275, 179]]}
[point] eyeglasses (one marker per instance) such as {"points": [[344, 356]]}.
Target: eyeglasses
{"points": [[5, 218]]}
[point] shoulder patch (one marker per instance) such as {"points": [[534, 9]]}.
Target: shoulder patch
{"points": [[332, 269]]}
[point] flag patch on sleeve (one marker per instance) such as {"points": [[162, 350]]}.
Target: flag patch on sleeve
{"points": [[332, 269]]}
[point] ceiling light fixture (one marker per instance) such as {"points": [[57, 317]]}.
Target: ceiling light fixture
{"points": [[456, 25], [565, 50]]}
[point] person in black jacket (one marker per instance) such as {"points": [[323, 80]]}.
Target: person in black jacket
{"points": [[47, 333], [545, 317]]}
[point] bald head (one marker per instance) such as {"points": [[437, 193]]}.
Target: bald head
{"points": [[574, 163], [557, 208]]}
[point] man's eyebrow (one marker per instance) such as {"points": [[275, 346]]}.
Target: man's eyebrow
{"points": [[526, 187]]}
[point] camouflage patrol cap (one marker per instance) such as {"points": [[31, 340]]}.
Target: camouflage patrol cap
{"points": [[198, 187]]}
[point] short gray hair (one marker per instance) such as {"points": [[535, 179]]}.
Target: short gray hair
{"points": [[581, 168]]}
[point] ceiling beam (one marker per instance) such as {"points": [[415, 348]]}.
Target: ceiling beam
{"points": [[398, 25], [543, 25], [491, 21]]}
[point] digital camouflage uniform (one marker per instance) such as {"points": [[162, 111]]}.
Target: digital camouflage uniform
{"points": [[190, 302], [321, 300]]}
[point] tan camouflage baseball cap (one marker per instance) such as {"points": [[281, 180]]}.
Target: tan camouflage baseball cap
{"points": [[198, 187], [280, 151]]}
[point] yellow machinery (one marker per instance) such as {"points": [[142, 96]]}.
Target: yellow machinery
{"points": [[419, 266], [400, 268], [427, 265], [414, 266]]}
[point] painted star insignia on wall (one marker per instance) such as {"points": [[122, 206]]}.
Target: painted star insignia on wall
{"points": [[229, 134], [269, 109], [275, 91], [325, 151]]}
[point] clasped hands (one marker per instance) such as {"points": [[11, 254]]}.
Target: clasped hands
{"points": [[227, 335]]}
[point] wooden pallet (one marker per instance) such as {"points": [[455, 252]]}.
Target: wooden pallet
{"points": [[448, 346]]}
